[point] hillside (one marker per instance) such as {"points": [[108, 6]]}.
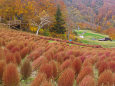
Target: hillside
{"points": [[32, 61], [92, 12]]}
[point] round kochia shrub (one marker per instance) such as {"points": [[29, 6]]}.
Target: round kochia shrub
{"points": [[66, 78], [88, 70], [24, 52], [2, 67], [10, 58], [65, 64], [105, 78], [39, 79], [103, 66], [114, 78], [36, 63], [10, 76], [47, 69], [76, 65], [17, 57], [26, 69], [46, 83], [54, 68], [88, 81]]}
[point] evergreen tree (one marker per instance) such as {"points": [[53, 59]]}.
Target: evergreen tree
{"points": [[59, 24]]}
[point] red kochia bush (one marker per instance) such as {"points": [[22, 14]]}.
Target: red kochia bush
{"points": [[105, 79], [111, 65], [103, 66], [88, 70], [54, 68], [2, 67], [2, 42], [65, 64], [10, 76], [26, 69], [2, 54], [10, 45], [36, 63], [87, 62], [36, 53], [60, 56], [73, 52], [46, 83], [47, 69], [66, 78], [10, 58], [24, 52], [88, 81], [50, 54], [76, 65], [17, 57], [15, 49], [114, 78], [39, 79]]}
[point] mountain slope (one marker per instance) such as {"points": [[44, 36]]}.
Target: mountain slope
{"points": [[99, 12]]}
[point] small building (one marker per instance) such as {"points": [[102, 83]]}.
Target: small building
{"points": [[105, 39], [81, 36]]}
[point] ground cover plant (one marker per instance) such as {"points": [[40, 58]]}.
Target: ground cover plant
{"points": [[31, 60]]}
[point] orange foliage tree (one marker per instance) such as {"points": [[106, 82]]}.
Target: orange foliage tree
{"points": [[111, 33]]}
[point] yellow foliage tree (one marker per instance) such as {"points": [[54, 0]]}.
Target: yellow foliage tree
{"points": [[112, 36], [98, 29], [11, 9]]}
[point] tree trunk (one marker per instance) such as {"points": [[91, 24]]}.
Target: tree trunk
{"points": [[68, 35], [38, 30]]}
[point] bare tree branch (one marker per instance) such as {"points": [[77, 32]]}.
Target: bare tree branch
{"points": [[43, 21]]}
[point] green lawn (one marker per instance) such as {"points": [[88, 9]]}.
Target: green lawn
{"points": [[89, 35]]}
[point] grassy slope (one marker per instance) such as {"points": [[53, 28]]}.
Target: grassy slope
{"points": [[89, 35]]}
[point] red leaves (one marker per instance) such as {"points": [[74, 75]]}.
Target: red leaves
{"points": [[106, 78], [46, 83], [10, 58], [38, 62], [36, 53], [47, 69], [65, 64], [15, 49], [39, 79], [10, 76], [2, 67], [76, 65], [17, 57], [88, 81], [102, 67], [114, 78], [24, 52], [11, 45], [88, 70], [54, 68], [66, 78], [2, 42], [26, 69], [111, 65], [2, 54]]}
